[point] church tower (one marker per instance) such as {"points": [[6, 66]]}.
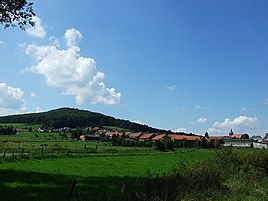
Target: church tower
{"points": [[231, 133]]}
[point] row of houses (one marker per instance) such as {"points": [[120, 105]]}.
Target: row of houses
{"points": [[143, 137], [232, 139]]}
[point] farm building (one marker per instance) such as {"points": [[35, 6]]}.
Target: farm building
{"points": [[237, 142], [184, 137], [146, 137], [260, 145], [160, 137]]}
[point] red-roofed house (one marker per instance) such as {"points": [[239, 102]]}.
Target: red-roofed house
{"points": [[134, 135], [214, 138], [184, 137], [111, 133], [146, 137], [237, 136], [160, 137]]}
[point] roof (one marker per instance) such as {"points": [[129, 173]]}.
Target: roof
{"points": [[237, 136], [111, 133], [159, 137], [127, 133], [214, 138], [184, 137], [146, 136], [134, 135]]}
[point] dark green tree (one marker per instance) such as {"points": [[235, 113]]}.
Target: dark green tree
{"points": [[159, 145], [16, 13]]}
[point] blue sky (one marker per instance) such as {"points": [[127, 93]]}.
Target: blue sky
{"points": [[192, 66]]}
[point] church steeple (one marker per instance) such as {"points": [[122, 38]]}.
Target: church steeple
{"points": [[231, 133]]}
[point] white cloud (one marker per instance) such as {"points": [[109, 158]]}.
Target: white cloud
{"points": [[241, 122], [71, 37], [199, 107], [33, 95], [180, 108], [179, 130], [54, 41], [243, 108], [76, 75], [11, 100], [38, 109], [139, 122], [171, 88], [213, 130], [36, 31], [202, 120], [266, 101], [10, 97], [2, 43]]}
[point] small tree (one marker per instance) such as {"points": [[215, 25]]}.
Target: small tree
{"points": [[169, 145], [16, 13], [159, 145]]}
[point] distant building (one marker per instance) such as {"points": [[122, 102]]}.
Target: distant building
{"points": [[88, 137], [266, 136], [184, 137], [160, 137], [146, 137], [256, 138], [237, 142], [260, 145]]}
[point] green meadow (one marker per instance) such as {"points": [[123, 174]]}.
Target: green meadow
{"points": [[98, 177]]}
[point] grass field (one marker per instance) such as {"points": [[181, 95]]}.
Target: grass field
{"points": [[98, 178]]}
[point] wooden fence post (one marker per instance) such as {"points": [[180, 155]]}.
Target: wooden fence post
{"points": [[71, 190]]}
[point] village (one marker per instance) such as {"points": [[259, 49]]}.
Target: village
{"points": [[230, 140]]}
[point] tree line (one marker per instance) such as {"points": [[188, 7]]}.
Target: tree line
{"points": [[7, 130], [75, 118], [162, 145]]}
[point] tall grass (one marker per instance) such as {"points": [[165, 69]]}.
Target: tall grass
{"points": [[230, 175]]}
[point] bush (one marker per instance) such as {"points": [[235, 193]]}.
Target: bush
{"points": [[230, 175]]}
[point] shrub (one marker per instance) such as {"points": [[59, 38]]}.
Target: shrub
{"points": [[230, 175]]}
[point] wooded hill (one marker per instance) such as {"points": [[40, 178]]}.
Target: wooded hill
{"points": [[73, 118]]}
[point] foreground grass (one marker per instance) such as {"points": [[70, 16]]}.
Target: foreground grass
{"points": [[98, 178], [233, 175]]}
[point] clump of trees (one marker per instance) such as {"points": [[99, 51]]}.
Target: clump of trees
{"points": [[161, 145], [8, 130]]}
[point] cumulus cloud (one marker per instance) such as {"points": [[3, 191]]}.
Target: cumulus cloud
{"points": [[38, 109], [241, 122], [10, 97], [214, 130], [199, 107], [76, 75], [139, 122], [171, 88], [202, 120], [71, 37], [36, 31], [11, 100], [179, 130], [33, 95], [2, 43]]}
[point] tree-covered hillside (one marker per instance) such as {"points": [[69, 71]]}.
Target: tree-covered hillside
{"points": [[69, 117]]}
